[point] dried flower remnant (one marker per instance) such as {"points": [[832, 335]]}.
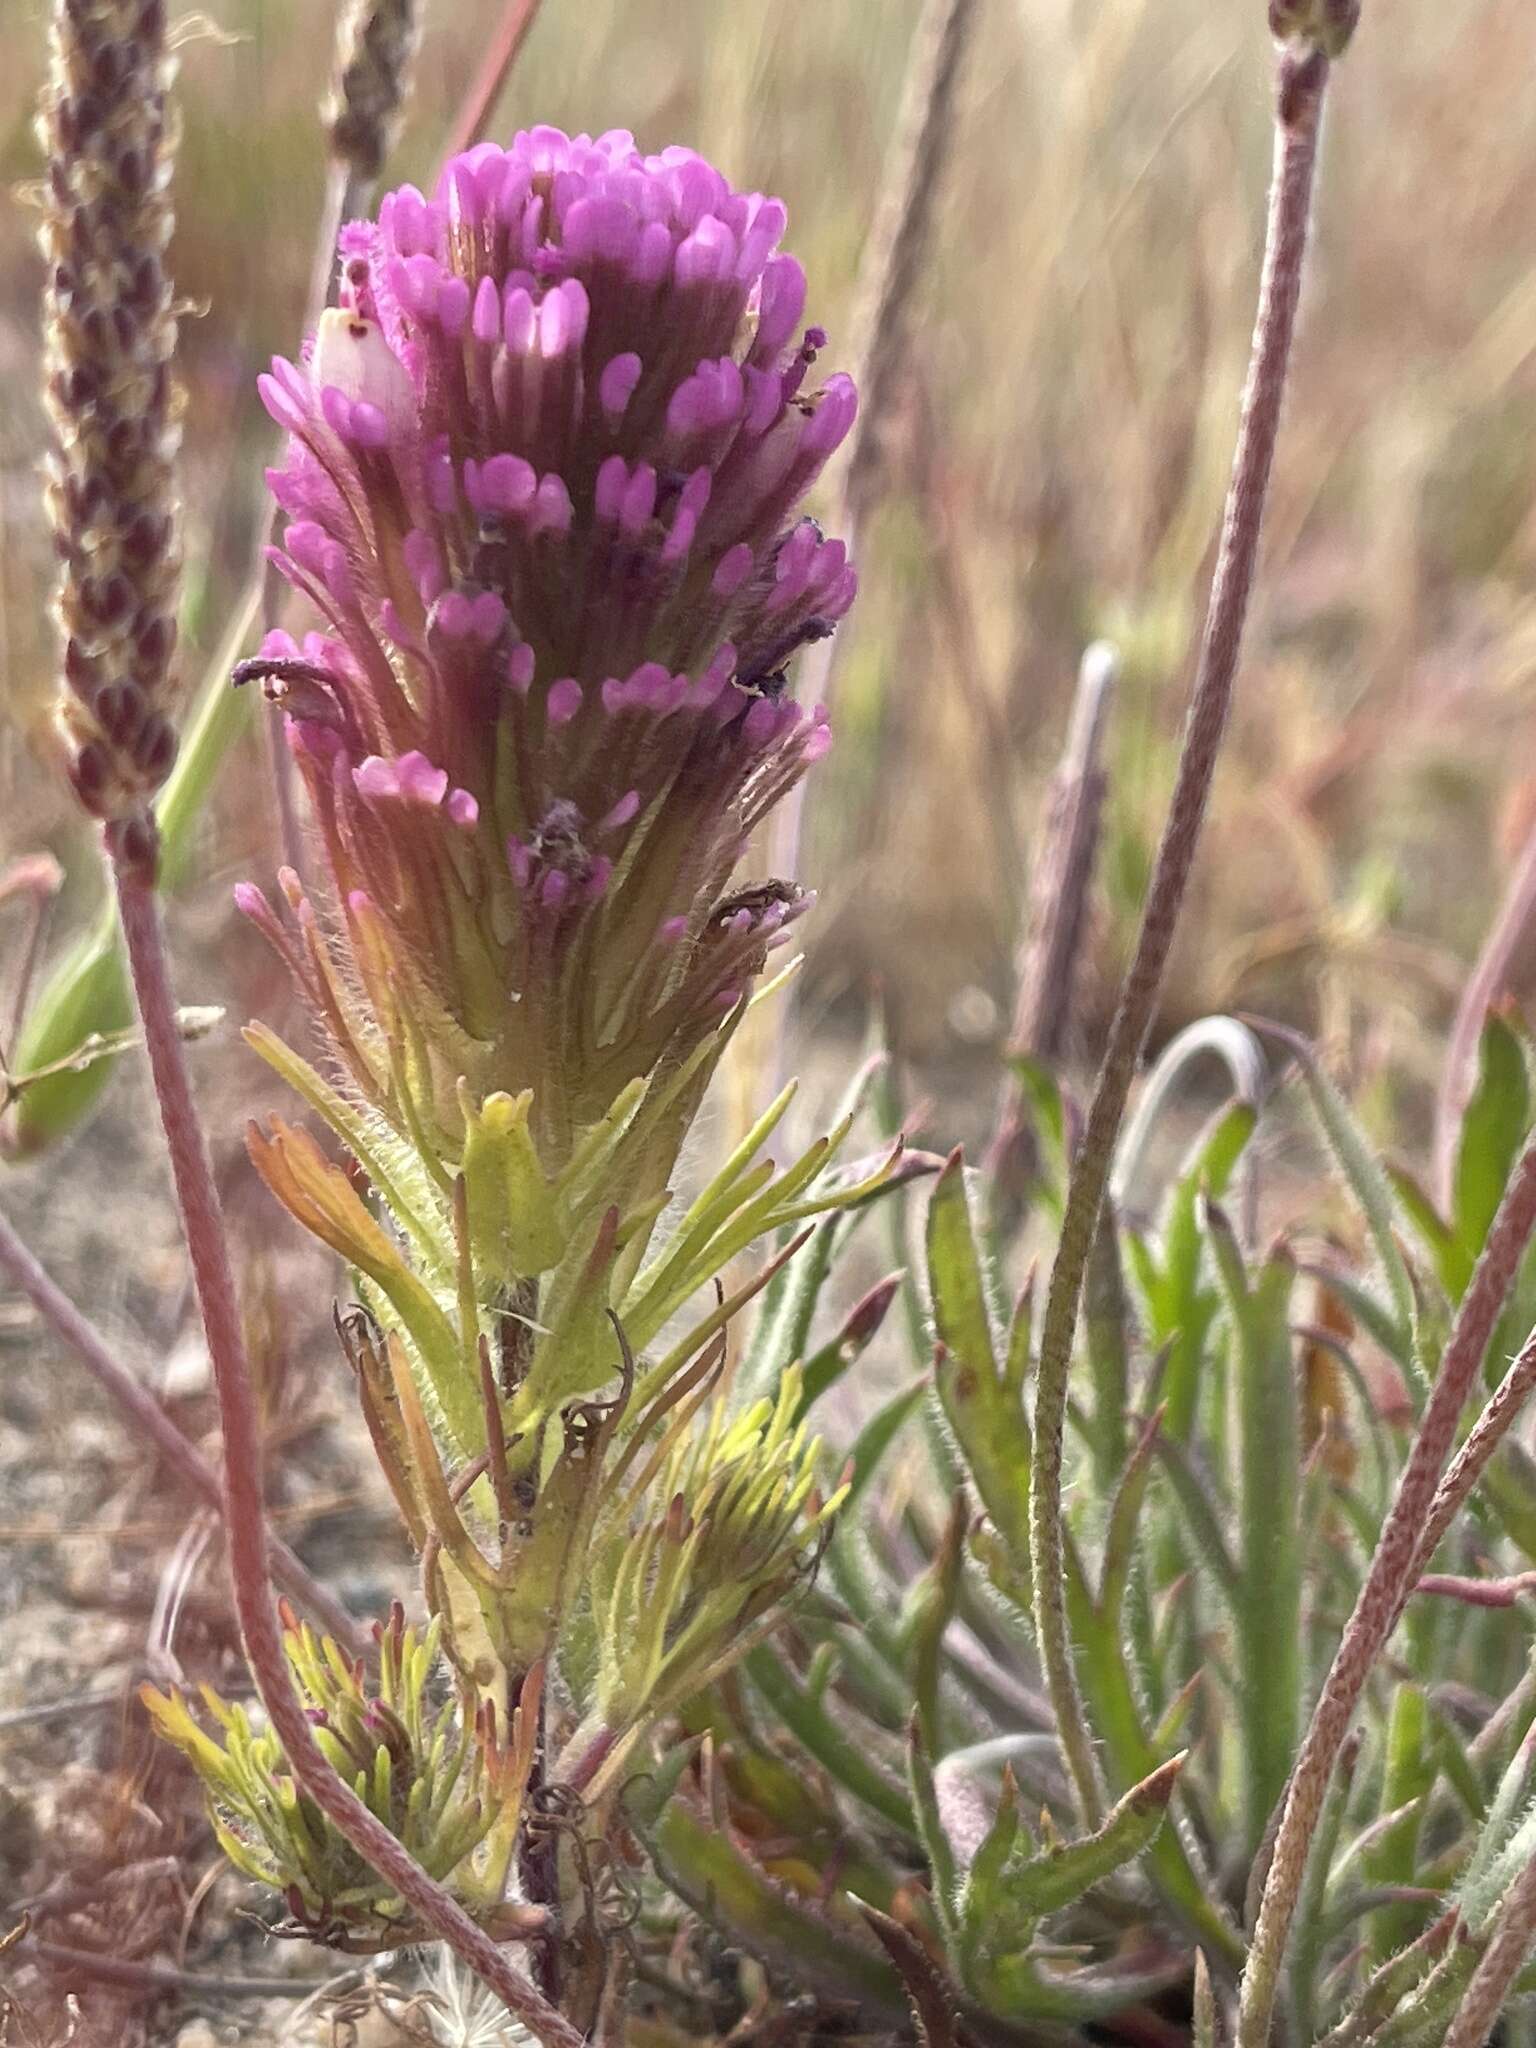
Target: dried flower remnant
{"points": [[376, 40], [1327, 25], [109, 131], [542, 482]]}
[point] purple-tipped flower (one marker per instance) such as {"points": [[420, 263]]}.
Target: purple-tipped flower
{"points": [[542, 484]]}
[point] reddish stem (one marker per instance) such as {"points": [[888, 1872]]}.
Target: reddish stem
{"points": [[1487, 1433], [244, 1514], [1301, 87], [1494, 1978], [518, 17], [1394, 1569], [1478, 1592]]}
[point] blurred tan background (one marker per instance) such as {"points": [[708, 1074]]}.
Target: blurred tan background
{"points": [[1053, 466]]}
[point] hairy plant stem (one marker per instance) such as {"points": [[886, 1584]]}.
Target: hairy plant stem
{"points": [[150, 1419], [1301, 85], [1422, 1498], [1484, 1438], [1485, 1997], [203, 1225]]}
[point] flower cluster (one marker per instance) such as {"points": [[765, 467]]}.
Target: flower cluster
{"points": [[724, 1523], [110, 330], [445, 1782], [541, 484]]}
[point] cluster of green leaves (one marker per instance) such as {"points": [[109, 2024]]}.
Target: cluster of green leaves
{"points": [[1239, 1420], [431, 1766]]}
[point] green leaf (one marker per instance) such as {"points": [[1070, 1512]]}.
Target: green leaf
{"points": [[1205, 1514], [1107, 1341], [1308, 1938], [983, 1407], [1182, 1305], [926, 1615], [1044, 1884], [879, 1433], [824, 1368], [1453, 1267], [1269, 1520], [704, 1868], [821, 1734], [1114, 1713], [1204, 2016], [930, 1825], [1492, 1132], [1043, 1092], [1121, 1535], [1407, 1779], [1368, 1183]]}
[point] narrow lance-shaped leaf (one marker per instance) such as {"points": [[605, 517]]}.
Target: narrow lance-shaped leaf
{"points": [[824, 1368], [1269, 1508], [1056, 1877], [822, 1734], [1181, 1302], [1107, 1337], [1308, 1939], [927, 1614], [930, 1826], [1492, 1130], [1406, 1782], [1362, 1174], [982, 1407], [1205, 2004]]}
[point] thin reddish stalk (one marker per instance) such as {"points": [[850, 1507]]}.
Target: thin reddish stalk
{"points": [[1477, 1592], [1466, 1468], [1394, 1569], [1494, 1978], [1301, 88], [150, 1419], [244, 1516], [479, 103], [1064, 868]]}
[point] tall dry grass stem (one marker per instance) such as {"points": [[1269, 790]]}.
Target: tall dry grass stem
{"points": [[1066, 856], [891, 268], [1064, 866], [1301, 87], [890, 271], [1394, 1569], [147, 1416], [244, 1514], [375, 44]]}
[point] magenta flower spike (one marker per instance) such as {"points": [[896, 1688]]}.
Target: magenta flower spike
{"points": [[542, 485]]}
